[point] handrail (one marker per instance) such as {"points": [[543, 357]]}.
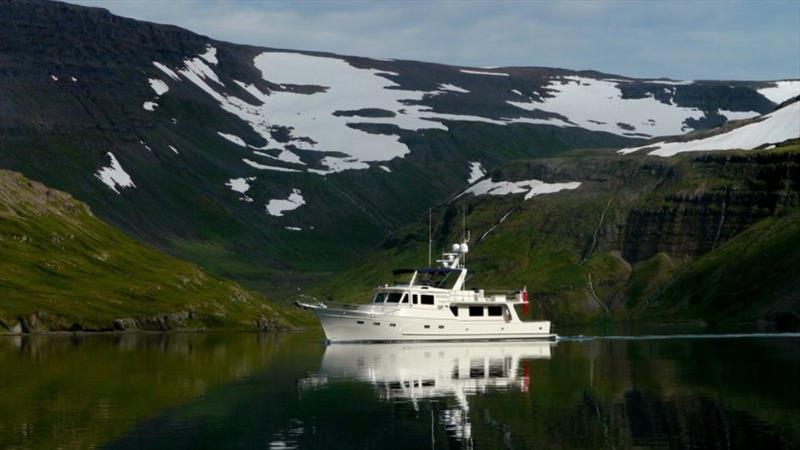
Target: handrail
{"points": [[366, 307]]}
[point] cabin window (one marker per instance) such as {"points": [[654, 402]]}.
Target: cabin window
{"points": [[426, 299], [476, 311], [416, 298], [495, 311], [394, 297], [379, 297], [454, 310], [405, 299]]}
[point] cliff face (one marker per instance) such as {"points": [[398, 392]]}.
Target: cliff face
{"points": [[689, 223]]}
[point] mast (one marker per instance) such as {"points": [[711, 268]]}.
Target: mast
{"points": [[430, 236]]}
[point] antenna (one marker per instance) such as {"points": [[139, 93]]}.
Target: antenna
{"points": [[463, 222], [430, 236]]}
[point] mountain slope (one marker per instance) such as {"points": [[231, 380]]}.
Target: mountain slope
{"points": [[275, 167], [63, 269], [769, 130]]}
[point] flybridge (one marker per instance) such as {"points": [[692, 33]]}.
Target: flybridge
{"points": [[451, 275]]}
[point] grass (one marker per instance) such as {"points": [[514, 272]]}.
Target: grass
{"points": [[57, 258]]}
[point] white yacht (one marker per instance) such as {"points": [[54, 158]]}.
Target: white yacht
{"points": [[431, 304]]}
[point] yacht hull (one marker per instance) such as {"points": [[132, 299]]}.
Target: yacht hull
{"points": [[357, 326]]}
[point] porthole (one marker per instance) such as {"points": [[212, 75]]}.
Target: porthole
{"points": [[441, 327], [427, 326], [392, 324], [360, 322], [376, 323]]}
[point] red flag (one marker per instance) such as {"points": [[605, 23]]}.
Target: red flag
{"points": [[525, 300]]}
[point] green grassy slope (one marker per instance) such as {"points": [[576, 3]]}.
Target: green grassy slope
{"points": [[61, 268], [751, 276]]}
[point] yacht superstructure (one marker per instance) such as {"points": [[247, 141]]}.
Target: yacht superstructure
{"points": [[431, 304]]}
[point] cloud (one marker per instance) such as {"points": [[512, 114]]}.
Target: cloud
{"points": [[695, 40]]}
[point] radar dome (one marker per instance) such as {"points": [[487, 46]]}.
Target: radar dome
{"points": [[464, 248], [456, 248]]}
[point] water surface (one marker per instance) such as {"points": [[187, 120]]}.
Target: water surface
{"points": [[269, 391]]}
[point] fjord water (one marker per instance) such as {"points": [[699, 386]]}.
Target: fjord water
{"points": [[247, 390]]}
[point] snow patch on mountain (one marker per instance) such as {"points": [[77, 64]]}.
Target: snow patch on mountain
{"points": [[159, 87], [114, 176], [385, 169], [233, 138], [150, 106], [196, 69], [276, 207], [667, 82], [476, 172], [782, 91], [774, 128], [267, 167], [598, 105], [241, 185], [479, 72], [452, 88], [310, 118], [210, 55], [737, 115], [530, 188], [173, 149], [170, 73], [286, 156]]}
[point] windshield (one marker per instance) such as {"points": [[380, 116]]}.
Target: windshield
{"points": [[379, 297], [394, 297]]}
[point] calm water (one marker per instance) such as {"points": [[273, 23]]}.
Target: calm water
{"points": [[259, 391]]}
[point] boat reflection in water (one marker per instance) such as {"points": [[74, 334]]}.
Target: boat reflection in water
{"points": [[421, 371]]}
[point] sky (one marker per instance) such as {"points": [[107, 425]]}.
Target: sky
{"points": [[732, 40]]}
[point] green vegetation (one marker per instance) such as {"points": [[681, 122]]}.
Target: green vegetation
{"points": [[754, 274], [63, 269]]}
